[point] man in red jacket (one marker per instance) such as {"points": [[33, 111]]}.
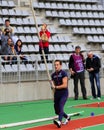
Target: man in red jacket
{"points": [[44, 43]]}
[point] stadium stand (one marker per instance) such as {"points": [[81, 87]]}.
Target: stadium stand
{"points": [[71, 22]]}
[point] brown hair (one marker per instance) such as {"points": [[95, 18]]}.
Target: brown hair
{"points": [[59, 61]]}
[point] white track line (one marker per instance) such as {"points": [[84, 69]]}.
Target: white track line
{"points": [[36, 121]]}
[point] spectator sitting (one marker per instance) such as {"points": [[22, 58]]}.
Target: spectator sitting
{"points": [[13, 58], [18, 48], [6, 49]]}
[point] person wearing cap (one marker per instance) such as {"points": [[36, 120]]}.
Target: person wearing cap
{"points": [[76, 68], [93, 65]]}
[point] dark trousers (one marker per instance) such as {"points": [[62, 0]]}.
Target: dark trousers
{"points": [[46, 51], [60, 99], [79, 76], [92, 77]]}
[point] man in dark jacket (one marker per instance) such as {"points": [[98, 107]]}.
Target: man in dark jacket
{"points": [[93, 67], [6, 49]]}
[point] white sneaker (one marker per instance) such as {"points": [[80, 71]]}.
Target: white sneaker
{"points": [[67, 120], [57, 123], [99, 98]]}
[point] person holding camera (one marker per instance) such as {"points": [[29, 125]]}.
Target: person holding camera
{"points": [[44, 42], [7, 26], [7, 31], [5, 36]]}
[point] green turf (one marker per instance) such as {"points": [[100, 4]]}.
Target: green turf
{"points": [[23, 111]]}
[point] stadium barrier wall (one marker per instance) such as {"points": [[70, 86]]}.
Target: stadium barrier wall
{"points": [[29, 85]]}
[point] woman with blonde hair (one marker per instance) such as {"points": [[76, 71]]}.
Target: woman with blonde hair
{"points": [[44, 42]]}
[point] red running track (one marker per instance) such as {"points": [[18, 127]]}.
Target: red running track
{"points": [[96, 104], [74, 124]]}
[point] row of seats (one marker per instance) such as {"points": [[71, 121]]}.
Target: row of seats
{"points": [[75, 14], [88, 30], [7, 3], [84, 18], [22, 21], [51, 56], [52, 48], [28, 68], [31, 30], [73, 1], [80, 22], [56, 48], [14, 12], [14, 68], [53, 39], [66, 6], [95, 39]]}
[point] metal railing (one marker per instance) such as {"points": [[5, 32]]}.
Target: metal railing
{"points": [[18, 70], [31, 70]]}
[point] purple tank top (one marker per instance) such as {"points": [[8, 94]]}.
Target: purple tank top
{"points": [[78, 63]]}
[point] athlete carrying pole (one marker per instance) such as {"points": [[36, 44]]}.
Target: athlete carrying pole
{"points": [[60, 80]]}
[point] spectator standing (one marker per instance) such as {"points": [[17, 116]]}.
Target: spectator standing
{"points": [[44, 43], [13, 57], [93, 65], [60, 80], [7, 26], [76, 68], [45, 26]]}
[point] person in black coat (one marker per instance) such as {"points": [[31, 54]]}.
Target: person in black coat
{"points": [[93, 65]]}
